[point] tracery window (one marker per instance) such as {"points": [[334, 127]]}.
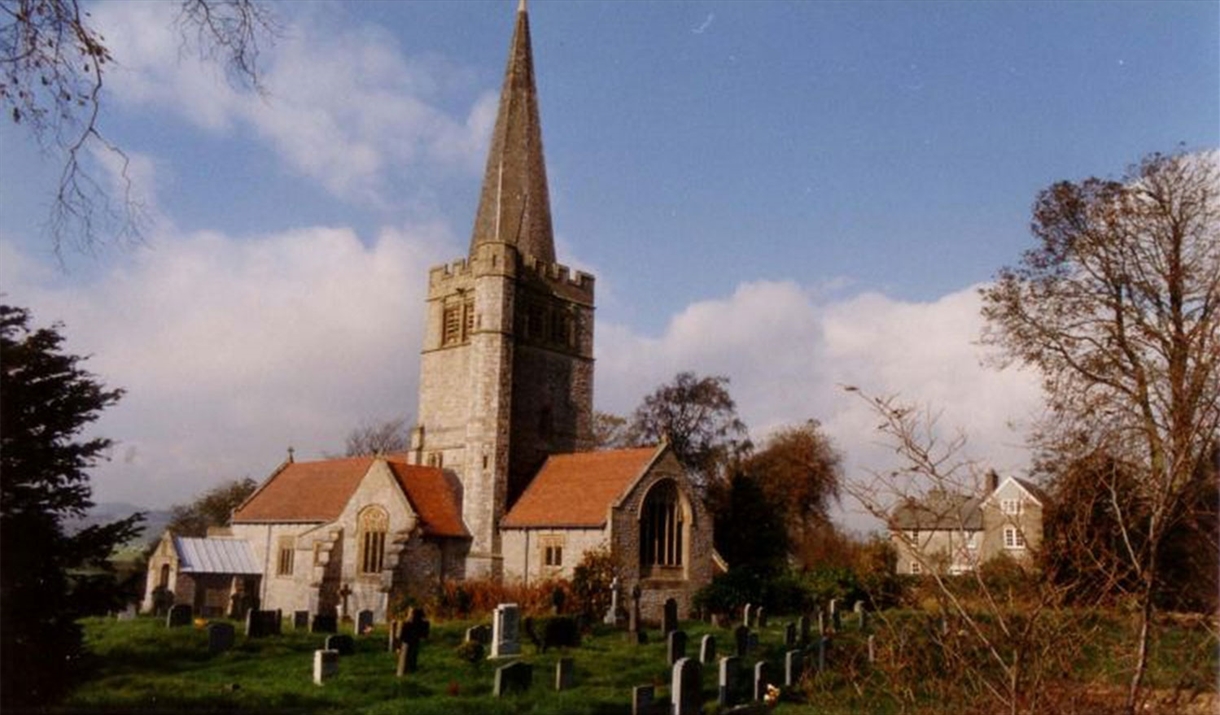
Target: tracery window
{"points": [[371, 527], [287, 552], [661, 527]]}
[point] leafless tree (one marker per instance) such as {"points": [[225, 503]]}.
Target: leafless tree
{"points": [[610, 430], [53, 63], [383, 437], [1119, 308]]}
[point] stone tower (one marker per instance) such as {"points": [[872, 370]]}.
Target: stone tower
{"points": [[507, 365]]}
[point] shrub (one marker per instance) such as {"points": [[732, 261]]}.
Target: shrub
{"points": [[470, 651], [591, 581]]}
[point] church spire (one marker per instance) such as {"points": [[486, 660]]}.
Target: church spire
{"points": [[514, 206]]}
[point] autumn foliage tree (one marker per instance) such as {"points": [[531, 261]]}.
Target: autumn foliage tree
{"points": [[212, 508]]}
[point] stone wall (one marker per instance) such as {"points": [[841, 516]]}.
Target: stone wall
{"points": [[524, 552]]}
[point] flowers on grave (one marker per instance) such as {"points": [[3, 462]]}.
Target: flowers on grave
{"points": [[454, 688], [470, 651], [771, 699], [201, 623]]}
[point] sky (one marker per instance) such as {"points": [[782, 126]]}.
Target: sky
{"points": [[797, 196]]}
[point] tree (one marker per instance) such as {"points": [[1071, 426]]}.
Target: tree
{"points": [[53, 62], [385, 437], [1117, 307], [699, 419], [212, 508], [610, 431], [47, 402]]}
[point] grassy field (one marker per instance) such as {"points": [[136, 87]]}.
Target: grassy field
{"points": [[141, 666]]}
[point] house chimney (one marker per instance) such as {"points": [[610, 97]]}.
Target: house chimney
{"points": [[993, 481]]}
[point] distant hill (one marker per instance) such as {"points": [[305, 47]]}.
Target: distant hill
{"points": [[155, 520]]}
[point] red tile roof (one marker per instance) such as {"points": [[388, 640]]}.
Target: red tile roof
{"points": [[318, 492], [577, 490]]}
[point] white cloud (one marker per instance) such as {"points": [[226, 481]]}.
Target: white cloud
{"points": [[345, 106]]}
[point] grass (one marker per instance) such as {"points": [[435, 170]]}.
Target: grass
{"points": [[141, 666]]}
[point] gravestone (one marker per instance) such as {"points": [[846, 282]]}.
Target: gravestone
{"points": [[324, 623], [822, 643], [669, 617], [745, 615], [180, 614], [221, 637], [685, 686], [341, 644], [741, 641], [505, 633], [260, 624], [364, 622], [762, 678], [761, 617], [707, 648], [613, 616], [821, 623], [836, 620], [802, 625], [872, 649], [564, 671], [325, 665], [127, 614], [411, 634], [513, 678], [793, 664], [300, 620], [394, 636], [675, 647], [479, 634], [789, 635], [643, 698], [729, 677]]}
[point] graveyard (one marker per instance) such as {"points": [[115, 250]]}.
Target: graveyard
{"points": [[840, 662]]}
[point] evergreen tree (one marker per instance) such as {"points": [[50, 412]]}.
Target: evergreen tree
{"points": [[50, 578]]}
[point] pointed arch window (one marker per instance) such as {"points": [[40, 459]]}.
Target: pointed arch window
{"points": [[662, 529], [371, 526]]}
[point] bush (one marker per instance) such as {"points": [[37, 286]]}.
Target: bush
{"points": [[591, 581], [470, 651]]}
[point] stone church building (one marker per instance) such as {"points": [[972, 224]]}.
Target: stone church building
{"points": [[500, 481]]}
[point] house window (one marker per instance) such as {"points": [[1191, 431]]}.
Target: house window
{"points": [[1013, 538], [284, 564], [554, 556], [372, 525], [661, 527], [916, 567], [1010, 506]]}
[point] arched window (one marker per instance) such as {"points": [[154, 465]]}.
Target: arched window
{"points": [[371, 528], [662, 527], [164, 580]]}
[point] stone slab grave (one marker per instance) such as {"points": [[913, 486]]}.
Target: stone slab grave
{"points": [[685, 686], [479, 634], [325, 665], [341, 644], [565, 669], [730, 680], [762, 678], [364, 622], [635, 627], [675, 647], [411, 635], [707, 649], [643, 700], [221, 637], [746, 612], [793, 666], [261, 624], [506, 631], [300, 620], [180, 614], [324, 623], [789, 635], [669, 617], [741, 641], [513, 678]]}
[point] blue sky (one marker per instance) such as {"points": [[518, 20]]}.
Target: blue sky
{"points": [[796, 195]]}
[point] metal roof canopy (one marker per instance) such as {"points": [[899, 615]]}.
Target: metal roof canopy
{"points": [[224, 556]]}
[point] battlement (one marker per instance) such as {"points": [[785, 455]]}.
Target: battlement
{"points": [[559, 275], [503, 260]]}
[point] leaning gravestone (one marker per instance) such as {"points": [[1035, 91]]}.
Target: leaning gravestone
{"points": [[505, 632], [221, 637], [707, 648], [180, 614], [669, 617], [341, 644], [364, 622], [325, 665], [729, 676], [761, 679], [675, 647], [741, 641], [685, 685], [642, 700], [324, 623], [479, 634], [793, 664], [513, 678], [564, 669]]}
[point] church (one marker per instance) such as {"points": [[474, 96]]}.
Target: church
{"points": [[500, 481]]}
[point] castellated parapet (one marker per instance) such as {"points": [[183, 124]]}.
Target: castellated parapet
{"points": [[503, 260]]}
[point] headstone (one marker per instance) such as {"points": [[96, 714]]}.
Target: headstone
{"points": [[669, 617], [872, 649], [821, 623], [802, 625], [612, 617], [761, 617], [325, 665], [564, 669], [260, 624], [729, 667], [127, 614], [793, 664], [761, 679], [505, 634], [300, 620], [741, 641], [675, 647], [745, 615], [707, 648], [789, 635], [479, 634], [685, 685], [403, 661], [642, 698], [324, 623], [513, 678], [341, 644], [835, 619], [633, 622], [180, 614], [411, 634], [220, 637], [822, 643], [364, 622]]}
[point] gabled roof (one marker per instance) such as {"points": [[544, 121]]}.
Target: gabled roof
{"points": [[1033, 489], [577, 490], [224, 556], [304, 492], [939, 511], [514, 205]]}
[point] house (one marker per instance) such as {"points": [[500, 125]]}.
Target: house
{"points": [[213, 575], [953, 533], [499, 481]]}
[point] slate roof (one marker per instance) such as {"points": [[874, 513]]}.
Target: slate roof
{"points": [[226, 556], [938, 511], [305, 492], [577, 490]]}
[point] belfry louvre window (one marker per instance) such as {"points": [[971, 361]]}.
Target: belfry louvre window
{"points": [[661, 527], [457, 322], [372, 526]]}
